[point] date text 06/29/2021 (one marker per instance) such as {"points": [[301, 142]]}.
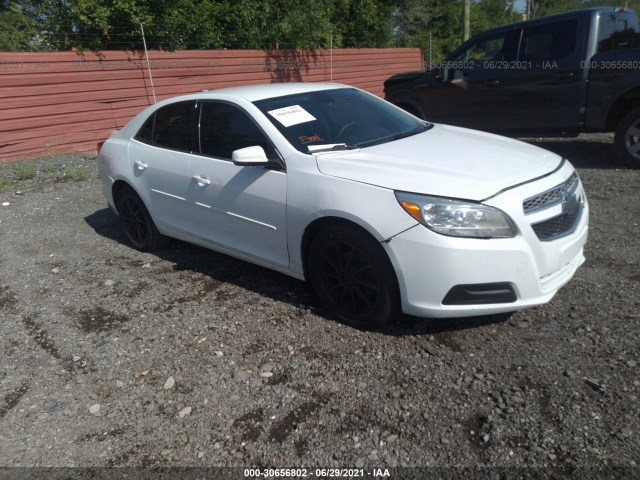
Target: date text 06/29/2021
{"points": [[316, 473]]}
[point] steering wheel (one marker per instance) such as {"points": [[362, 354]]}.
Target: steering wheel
{"points": [[344, 130]]}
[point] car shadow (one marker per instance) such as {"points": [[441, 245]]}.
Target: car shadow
{"points": [[221, 268], [588, 151], [268, 283], [408, 325]]}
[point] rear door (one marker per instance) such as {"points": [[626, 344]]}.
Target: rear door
{"points": [[546, 88], [159, 156]]}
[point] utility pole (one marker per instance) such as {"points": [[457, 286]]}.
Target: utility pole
{"points": [[530, 9], [466, 13]]}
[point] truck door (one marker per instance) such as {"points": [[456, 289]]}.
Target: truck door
{"points": [[546, 85], [470, 93]]}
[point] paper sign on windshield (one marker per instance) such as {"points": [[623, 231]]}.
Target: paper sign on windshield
{"points": [[293, 115]]}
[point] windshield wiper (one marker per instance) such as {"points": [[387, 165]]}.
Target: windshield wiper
{"points": [[420, 129], [415, 131], [332, 147]]}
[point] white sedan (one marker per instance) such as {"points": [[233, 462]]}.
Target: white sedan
{"points": [[380, 211]]}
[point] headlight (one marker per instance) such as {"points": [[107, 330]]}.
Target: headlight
{"points": [[457, 218]]}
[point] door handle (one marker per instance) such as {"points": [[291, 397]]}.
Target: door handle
{"points": [[202, 182], [492, 83], [566, 75], [139, 165]]}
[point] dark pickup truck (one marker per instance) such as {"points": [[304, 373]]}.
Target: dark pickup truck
{"points": [[558, 75]]}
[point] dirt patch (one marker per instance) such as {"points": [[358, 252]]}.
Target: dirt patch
{"points": [[263, 376]]}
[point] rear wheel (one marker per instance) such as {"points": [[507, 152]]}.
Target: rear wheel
{"points": [[627, 139], [353, 277], [136, 221]]}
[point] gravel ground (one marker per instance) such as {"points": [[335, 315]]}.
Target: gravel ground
{"points": [[185, 357]]}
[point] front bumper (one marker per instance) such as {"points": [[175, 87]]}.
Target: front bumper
{"points": [[439, 276]]}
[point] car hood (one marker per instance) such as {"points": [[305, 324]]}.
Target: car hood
{"points": [[402, 77], [444, 161]]}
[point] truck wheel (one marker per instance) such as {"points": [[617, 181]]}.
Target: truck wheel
{"points": [[627, 139]]}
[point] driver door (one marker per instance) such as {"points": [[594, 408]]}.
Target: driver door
{"points": [[242, 208], [471, 92]]}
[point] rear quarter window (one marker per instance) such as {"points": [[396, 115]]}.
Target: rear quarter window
{"points": [[550, 42], [618, 32], [171, 127]]}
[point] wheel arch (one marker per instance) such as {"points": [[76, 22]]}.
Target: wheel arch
{"points": [[118, 185], [624, 104], [320, 224]]}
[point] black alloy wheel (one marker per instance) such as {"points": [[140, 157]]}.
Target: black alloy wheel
{"points": [[353, 277], [136, 221]]}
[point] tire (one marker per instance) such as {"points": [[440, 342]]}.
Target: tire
{"points": [[627, 139], [136, 221], [353, 277]]}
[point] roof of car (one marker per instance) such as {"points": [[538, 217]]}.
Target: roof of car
{"points": [[253, 93]]}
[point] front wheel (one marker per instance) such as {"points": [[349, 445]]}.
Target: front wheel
{"points": [[353, 277], [627, 139], [136, 221]]}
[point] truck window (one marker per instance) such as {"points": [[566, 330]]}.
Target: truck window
{"points": [[618, 32], [484, 53], [550, 42], [485, 49]]}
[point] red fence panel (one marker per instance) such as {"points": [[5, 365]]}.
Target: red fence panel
{"points": [[61, 102]]}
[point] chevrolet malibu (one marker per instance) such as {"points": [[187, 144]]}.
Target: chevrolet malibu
{"points": [[380, 211]]}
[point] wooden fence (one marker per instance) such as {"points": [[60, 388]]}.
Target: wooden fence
{"points": [[62, 102]]}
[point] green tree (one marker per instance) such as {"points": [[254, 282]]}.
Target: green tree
{"points": [[180, 24], [16, 26], [540, 8], [362, 23], [486, 14], [433, 25], [633, 4]]}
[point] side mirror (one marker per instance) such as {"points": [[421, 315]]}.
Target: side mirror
{"points": [[249, 156]]}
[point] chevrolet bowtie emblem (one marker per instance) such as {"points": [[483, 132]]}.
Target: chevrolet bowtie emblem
{"points": [[570, 203]]}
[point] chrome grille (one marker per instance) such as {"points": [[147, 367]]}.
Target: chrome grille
{"points": [[551, 197], [560, 225]]}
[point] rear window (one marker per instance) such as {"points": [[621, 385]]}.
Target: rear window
{"points": [[550, 42], [618, 32], [170, 127]]}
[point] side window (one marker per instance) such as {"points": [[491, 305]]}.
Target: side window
{"points": [[170, 127], [145, 134], [225, 128], [551, 42], [618, 32], [485, 55], [489, 49]]}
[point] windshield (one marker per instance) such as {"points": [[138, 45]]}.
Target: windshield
{"points": [[338, 119]]}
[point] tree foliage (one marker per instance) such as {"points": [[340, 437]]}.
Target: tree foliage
{"points": [[436, 25], [433, 25], [540, 8]]}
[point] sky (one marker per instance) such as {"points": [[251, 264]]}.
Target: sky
{"points": [[520, 5]]}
